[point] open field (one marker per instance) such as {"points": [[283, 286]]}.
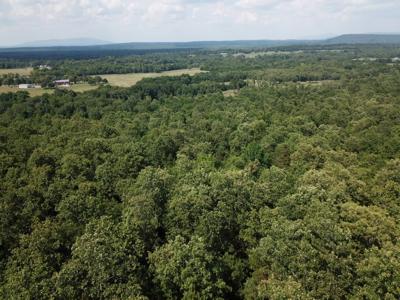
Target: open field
{"points": [[79, 88], [127, 80], [271, 53], [20, 71], [317, 83], [122, 80], [268, 53], [32, 92], [231, 93], [83, 87]]}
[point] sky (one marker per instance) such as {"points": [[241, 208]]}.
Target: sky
{"points": [[192, 20]]}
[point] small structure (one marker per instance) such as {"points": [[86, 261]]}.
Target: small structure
{"points": [[26, 86], [44, 67], [62, 83]]}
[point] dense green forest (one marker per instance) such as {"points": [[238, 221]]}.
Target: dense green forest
{"points": [[285, 63], [289, 188]]}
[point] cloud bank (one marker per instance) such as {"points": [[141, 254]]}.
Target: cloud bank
{"points": [[183, 20]]}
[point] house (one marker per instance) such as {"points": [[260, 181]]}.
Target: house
{"points": [[26, 86], [62, 82]]}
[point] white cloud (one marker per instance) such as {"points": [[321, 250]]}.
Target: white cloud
{"points": [[193, 19], [260, 4], [165, 10]]}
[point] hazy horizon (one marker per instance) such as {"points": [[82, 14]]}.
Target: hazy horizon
{"points": [[119, 21]]}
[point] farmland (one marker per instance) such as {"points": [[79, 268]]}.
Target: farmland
{"points": [[32, 92], [270, 53], [127, 80], [20, 71], [79, 88], [121, 80], [82, 87]]}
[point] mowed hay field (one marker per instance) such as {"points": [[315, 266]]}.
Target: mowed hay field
{"points": [[79, 88], [82, 87], [121, 80], [32, 92], [20, 71], [127, 80]]}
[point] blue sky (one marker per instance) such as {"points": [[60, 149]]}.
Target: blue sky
{"points": [[187, 20]]}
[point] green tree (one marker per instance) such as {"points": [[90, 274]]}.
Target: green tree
{"points": [[187, 270], [103, 265]]}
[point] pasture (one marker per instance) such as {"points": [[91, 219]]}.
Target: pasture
{"points": [[82, 87], [32, 92], [20, 71], [127, 80], [266, 53], [230, 93], [79, 88]]}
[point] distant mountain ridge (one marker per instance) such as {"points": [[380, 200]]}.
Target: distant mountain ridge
{"points": [[98, 44], [365, 39], [63, 43], [88, 45], [205, 44]]}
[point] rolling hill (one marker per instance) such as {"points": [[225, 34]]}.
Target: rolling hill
{"points": [[63, 43], [94, 48], [365, 39]]}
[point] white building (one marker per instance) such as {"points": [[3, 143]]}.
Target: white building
{"points": [[26, 86], [63, 82]]}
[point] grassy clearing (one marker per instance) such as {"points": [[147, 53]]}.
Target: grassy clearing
{"points": [[268, 53], [317, 83], [20, 71], [32, 92], [79, 88], [83, 87], [127, 80], [254, 54], [231, 93]]}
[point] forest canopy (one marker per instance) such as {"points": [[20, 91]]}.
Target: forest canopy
{"points": [[270, 176]]}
